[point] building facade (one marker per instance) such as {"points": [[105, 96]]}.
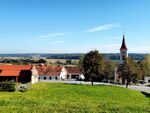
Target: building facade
{"points": [[47, 73]]}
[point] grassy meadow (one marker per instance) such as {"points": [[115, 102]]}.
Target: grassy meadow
{"points": [[65, 98]]}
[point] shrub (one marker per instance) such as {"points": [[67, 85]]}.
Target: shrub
{"points": [[24, 87], [7, 86]]}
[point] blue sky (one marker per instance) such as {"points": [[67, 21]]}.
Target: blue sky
{"points": [[74, 26]]}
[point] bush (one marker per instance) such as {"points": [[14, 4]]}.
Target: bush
{"points": [[148, 85], [7, 86], [24, 87]]}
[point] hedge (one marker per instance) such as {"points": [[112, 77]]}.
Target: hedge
{"points": [[7, 86]]}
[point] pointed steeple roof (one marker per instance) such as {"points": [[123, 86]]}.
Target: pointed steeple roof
{"points": [[123, 46]]}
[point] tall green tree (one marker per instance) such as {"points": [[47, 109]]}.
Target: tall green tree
{"points": [[128, 71], [147, 65], [93, 65], [144, 67], [109, 69]]}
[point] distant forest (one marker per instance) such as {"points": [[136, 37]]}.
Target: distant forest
{"points": [[107, 56]]}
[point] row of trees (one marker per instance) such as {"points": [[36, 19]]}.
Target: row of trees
{"points": [[22, 61], [95, 68]]}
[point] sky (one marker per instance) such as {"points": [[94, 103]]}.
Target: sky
{"points": [[74, 26]]}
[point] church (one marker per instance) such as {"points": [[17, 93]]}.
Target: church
{"points": [[123, 55]]}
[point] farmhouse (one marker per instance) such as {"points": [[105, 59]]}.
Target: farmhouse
{"points": [[73, 73], [47, 73], [18, 73]]}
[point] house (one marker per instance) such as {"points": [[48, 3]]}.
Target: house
{"points": [[47, 73], [73, 72], [18, 73], [147, 79]]}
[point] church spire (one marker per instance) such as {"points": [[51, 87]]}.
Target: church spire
{"points": [[123, 50], [123, 46]]}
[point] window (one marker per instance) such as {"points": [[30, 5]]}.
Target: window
{"points": [[74, 76], [149, 81], [123, 58], [44, 78], [56, 78], [50, 78], [67, 76]]}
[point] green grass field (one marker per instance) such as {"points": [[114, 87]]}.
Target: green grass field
{"points": [[57, 98]]}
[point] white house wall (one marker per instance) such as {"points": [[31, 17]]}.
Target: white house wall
{"points": [[34, 79], [35, 76], [63, 74], [147, 80], [48, 78]]}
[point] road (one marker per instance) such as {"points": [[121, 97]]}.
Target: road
{"points": [[139, 88]]}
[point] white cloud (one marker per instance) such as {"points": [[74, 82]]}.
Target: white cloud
{"points": [[52, 35], [103, 27]]}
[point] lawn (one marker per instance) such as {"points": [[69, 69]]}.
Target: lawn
{"points": [[65, 98]]}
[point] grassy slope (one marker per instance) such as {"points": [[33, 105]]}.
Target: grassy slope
{"points": [[52, 97]]}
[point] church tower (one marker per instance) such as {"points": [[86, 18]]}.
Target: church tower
{"points": [[123, 55], [123, 50]]}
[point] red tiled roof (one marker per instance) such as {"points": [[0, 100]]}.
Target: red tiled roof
{"points": [[49, 70], [10, 73], [15, 67], [13, 70], [72, 70], [123, 46]]}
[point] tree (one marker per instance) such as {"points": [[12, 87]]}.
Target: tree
{"points": [[42, 61], [144, 67], [80, 63], [109, 69], [147, 65], [69, 61], [128, 71], [93, 65]]}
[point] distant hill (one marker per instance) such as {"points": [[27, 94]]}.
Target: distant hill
{"points": [[107, 56]]}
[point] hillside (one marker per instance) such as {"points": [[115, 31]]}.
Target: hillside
{"points": [[57, 97]]}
